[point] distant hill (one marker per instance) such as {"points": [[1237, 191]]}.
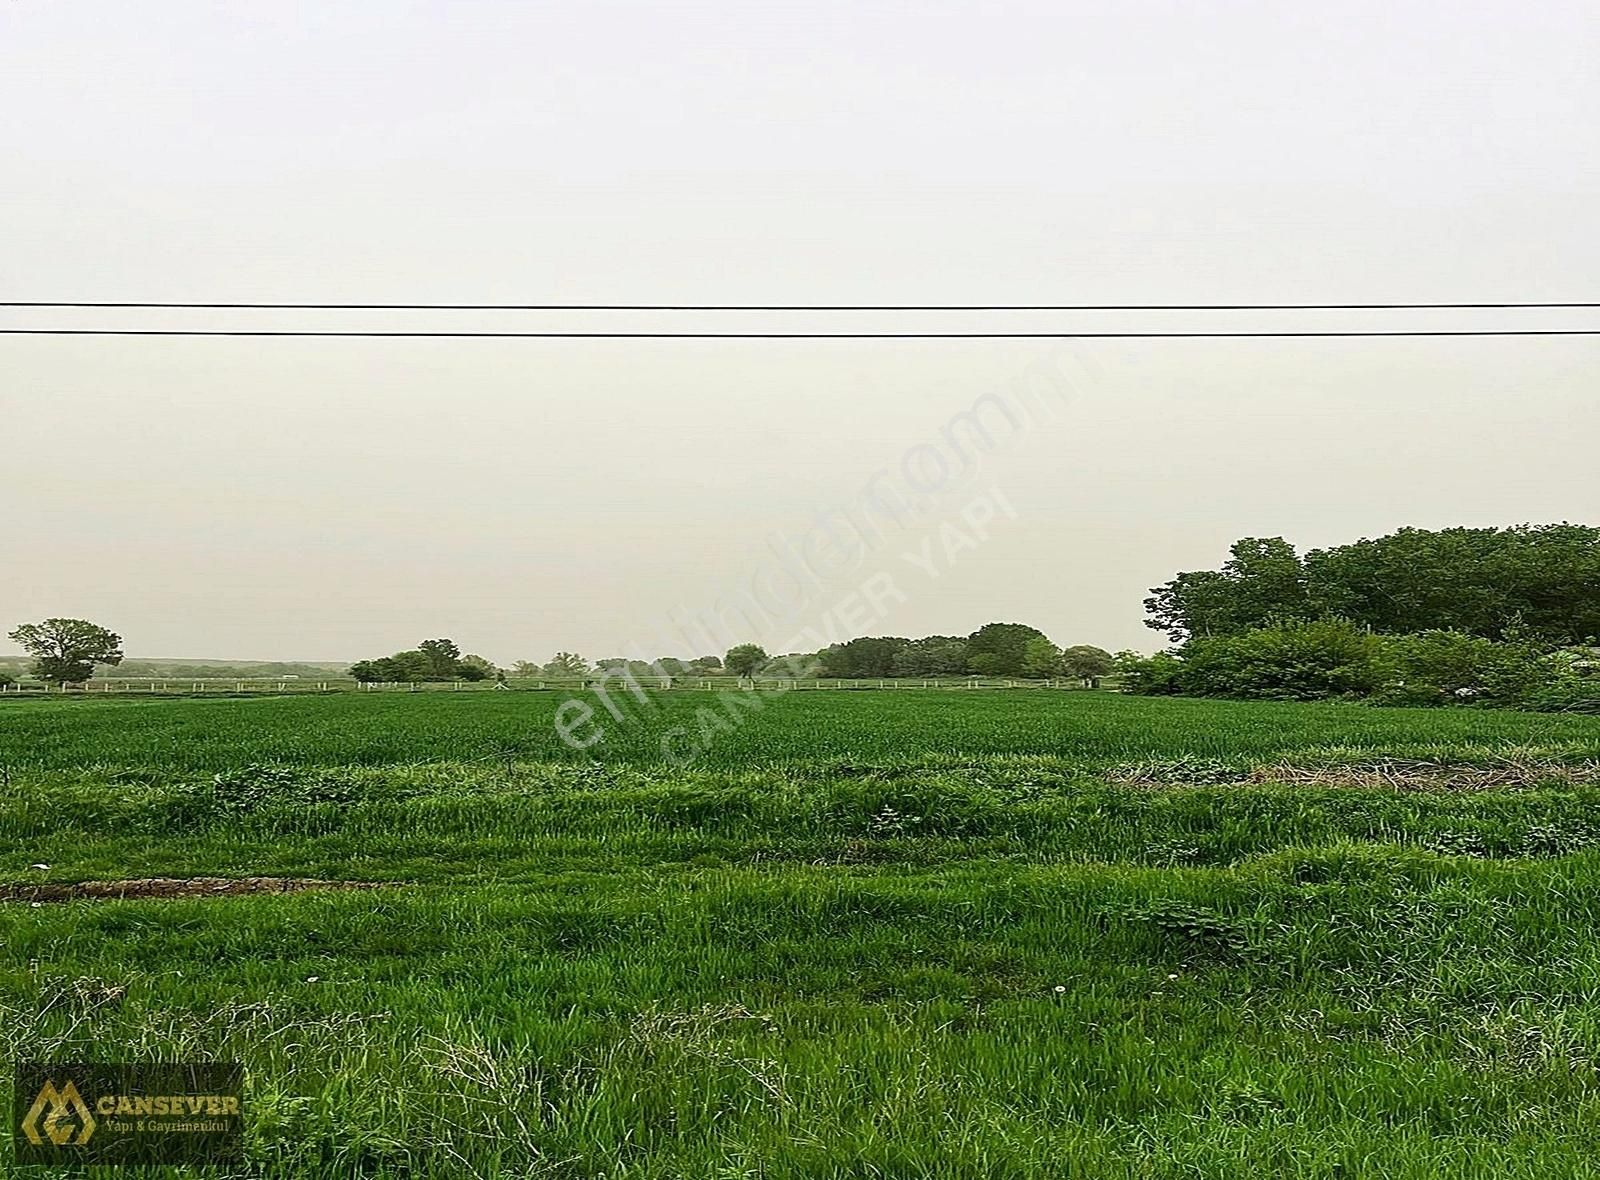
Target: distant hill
{"points": [[199, 669]]}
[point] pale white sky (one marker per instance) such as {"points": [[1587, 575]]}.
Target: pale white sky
{"points": [[335, 499]]}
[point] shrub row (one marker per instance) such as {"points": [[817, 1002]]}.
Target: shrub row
{"points": [[1333, 658]]}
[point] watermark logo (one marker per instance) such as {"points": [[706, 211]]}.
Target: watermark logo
{"points": [[135, 1113], [60, 1117]]}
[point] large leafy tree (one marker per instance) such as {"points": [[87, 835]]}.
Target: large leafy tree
{"points": [[373, 671], [444, 658], [566, 663], [432, 659], [999, 649], [67, 650], [1087, 662], [743, 659], [1194, 603], [1262, 582], [404, 667]]}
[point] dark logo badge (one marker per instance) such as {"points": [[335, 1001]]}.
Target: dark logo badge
{"points": [[131, 1113]]}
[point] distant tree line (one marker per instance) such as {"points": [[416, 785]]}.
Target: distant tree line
{"points": [[1507, 616], [566, 665], [1500, 616], [993, 650], [430, 660], [236, 670]]}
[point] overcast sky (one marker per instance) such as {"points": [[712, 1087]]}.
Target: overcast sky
{"points": [[300, 499]]}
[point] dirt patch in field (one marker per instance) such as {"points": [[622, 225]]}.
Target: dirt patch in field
{"points": [[172, 887], [1403, 774], [1423, 775]]}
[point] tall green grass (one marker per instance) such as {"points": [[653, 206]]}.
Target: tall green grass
{"points": [[964, 935]]}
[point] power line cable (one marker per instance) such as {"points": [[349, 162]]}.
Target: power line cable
{"points": [[819, 307], [437, 335]]}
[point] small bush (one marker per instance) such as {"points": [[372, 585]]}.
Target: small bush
{"points": [[1194, 932], [1157, 675], [1440, 667], [234, 794], [1297, 661]]}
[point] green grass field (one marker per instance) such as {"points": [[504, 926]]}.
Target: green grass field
{"points": [[910, 934]]}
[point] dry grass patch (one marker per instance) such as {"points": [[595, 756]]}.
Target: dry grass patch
{"points": [[1422, 774], [171, 887]]}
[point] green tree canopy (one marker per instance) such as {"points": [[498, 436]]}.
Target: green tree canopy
{"points": [[67, 650], [1087, 662], [566, 664], [869, 656], [474, 667], [1041, 658], [999, 649], [932, 656], [1540, 581], [432, 659], [1262, 582], [444, 658], [744, 659]]}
